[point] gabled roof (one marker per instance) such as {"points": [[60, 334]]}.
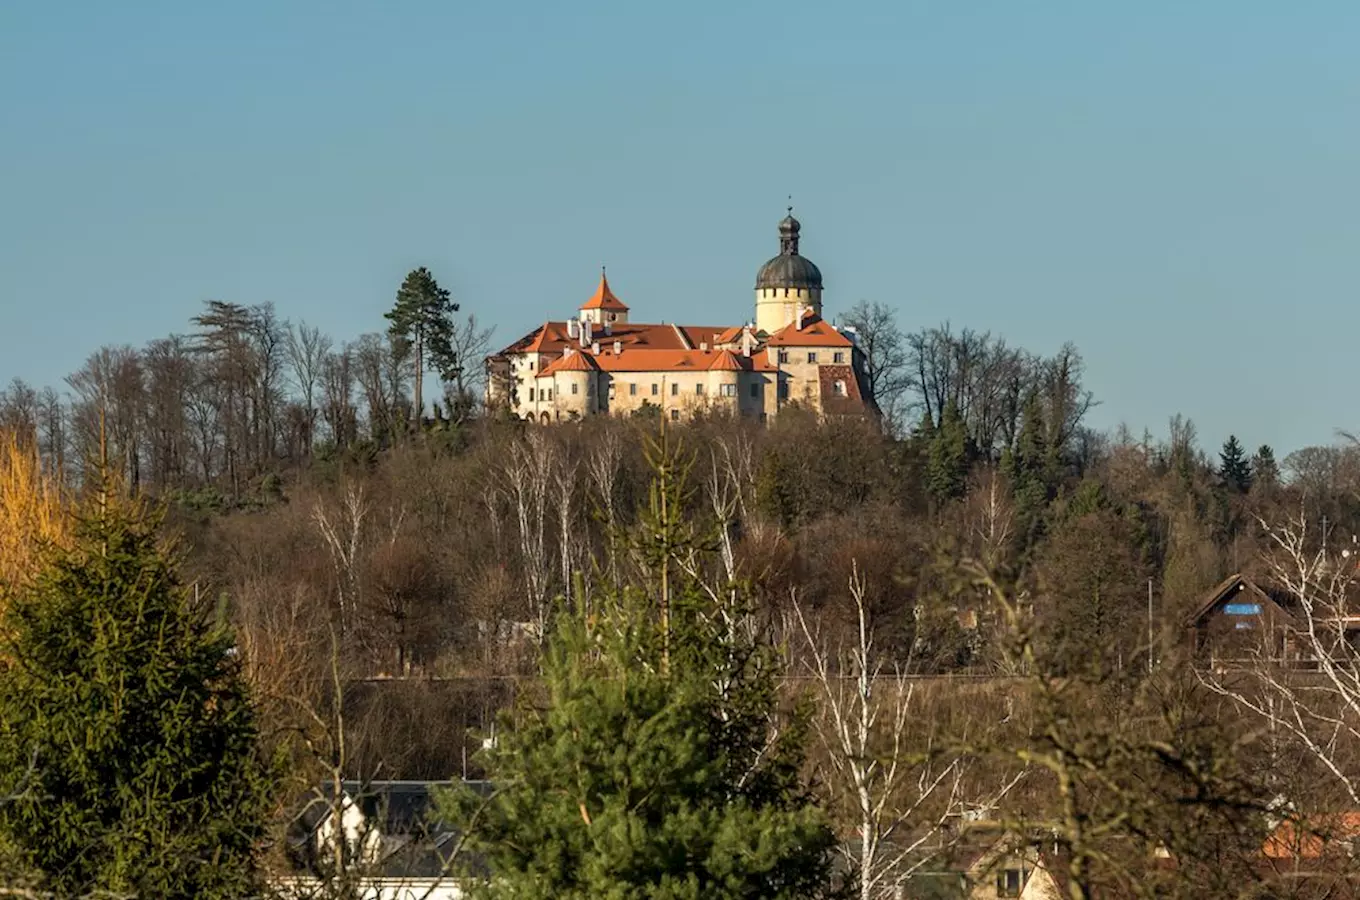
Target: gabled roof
{"points": [[604, 298], [570, 362], [1230, 586], [816, 332]]}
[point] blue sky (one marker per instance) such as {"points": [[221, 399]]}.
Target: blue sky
{"points": [[1171, 186]]}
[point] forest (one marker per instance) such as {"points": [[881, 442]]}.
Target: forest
{"points": [[964, 608]]}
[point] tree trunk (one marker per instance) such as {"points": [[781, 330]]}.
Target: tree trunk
{"points": [[420, 372]]}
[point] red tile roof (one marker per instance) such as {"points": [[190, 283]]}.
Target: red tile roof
{"points": [[725, 361], [1325, 834], [604, 298], [571, 362], [551, 337], [815, 333]]}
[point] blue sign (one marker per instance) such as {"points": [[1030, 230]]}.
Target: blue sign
{"points": [[1242, 609]]}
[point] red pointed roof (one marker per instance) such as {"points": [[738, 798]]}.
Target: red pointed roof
{"points": [[604, 298], [725, 361], [571, 362]]}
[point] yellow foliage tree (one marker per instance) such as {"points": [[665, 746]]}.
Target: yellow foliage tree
{"points": [[30, 510]]}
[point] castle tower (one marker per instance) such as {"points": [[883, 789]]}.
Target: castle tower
{"points": [[603, 307], [788, 283]]}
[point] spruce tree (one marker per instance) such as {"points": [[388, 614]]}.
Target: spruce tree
{"points": [[1265, 470], [1234, 467], [422, 329], [649, 772], [948, 459], [128, 710]]}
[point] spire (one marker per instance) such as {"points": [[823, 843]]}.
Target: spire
{"points": [[788, 233], [604, 298]]}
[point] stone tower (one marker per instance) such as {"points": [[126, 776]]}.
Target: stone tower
{"points": [[787, 283]]}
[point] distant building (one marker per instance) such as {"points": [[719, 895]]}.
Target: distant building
{"points": [[599, 361]]}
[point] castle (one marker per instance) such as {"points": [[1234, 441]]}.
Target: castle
{"points": [[600, 362]]}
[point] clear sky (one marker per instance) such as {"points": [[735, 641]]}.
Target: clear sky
{"points": [[1173, 186]]}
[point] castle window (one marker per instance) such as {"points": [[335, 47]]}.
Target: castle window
{"points": [[784, 391], [812, 356], [755, 390], [574, 388], [1009, 882], [729, 390], [549, 397], [783, 356], [838, 387], [531, 395], [698, 389], [656, 388], [632, 389], [531, 365], [675, 389], [838, 357], [675, 415]]}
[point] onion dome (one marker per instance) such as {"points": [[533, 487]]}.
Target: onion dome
{"points": [[789, 269]]}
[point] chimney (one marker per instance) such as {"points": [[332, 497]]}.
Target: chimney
{"points": [[595, 348], [745, 347], [567, 351], [585, 332], [798, 322], [573, 328], [618, 348], [773, 354], [703, 346]]}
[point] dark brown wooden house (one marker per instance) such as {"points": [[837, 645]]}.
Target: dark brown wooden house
{"points": [[1240, 621]]}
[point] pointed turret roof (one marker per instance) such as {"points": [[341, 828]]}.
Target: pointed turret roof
{"points": [[604, 298], [571, 362], [726, 361]]}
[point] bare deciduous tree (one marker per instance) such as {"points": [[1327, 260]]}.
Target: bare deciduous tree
{"points": [[902, 796]]}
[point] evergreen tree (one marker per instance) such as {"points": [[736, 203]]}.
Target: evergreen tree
{"points": [[948, 459], [130, 712], [1032, 468], [1265, 470], [422, 330], [1234, 468], [650, 772]]}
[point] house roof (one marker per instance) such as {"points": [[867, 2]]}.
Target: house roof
{"points": [[816, 332], [1314, 838], [570, 362], [844, 374], [604, 298], [552, 337], [1230, 586]]}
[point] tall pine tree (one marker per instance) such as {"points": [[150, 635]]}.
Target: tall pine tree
{"points": [[1265, 471], [127, 709], [947, 460], [1234, 467], [652, 772], [422, 329]]}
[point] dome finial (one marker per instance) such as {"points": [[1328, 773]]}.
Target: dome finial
{"points": [[788, 234]]}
